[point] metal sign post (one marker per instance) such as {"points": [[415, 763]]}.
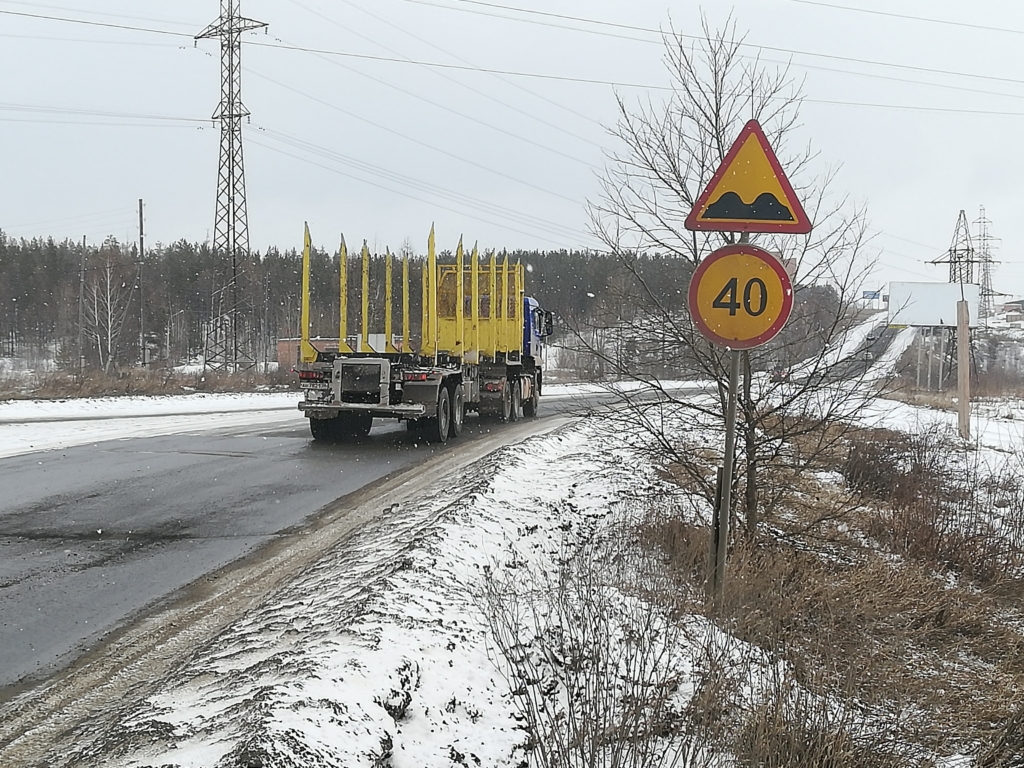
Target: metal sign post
{"points": [[724, 510]]}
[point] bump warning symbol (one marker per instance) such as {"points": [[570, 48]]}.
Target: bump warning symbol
{"points": [[749, 192]]}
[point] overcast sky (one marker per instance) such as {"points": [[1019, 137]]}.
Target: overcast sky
{"points": [[920, 102]]}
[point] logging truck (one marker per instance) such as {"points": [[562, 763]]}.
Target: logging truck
{"points": [[479, 347]]}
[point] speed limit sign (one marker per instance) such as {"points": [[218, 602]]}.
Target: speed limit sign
{"points": [[740, 296]]}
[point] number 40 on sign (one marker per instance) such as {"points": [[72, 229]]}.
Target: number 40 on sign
{"points": [[740, 296]]}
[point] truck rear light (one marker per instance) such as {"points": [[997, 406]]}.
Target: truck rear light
{"points": [[416, 377], [494, 386], [316, 375]]}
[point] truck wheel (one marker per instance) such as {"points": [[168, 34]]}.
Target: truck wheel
{"points": [[441, 424], [351, 426], [358, 426], [506, 402], [517, 400], [321, 429], [458, 411], [530, 406]]}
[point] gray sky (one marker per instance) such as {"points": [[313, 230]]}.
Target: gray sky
{"points": [[380, 149]]}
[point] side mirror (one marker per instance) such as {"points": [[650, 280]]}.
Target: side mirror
{"points": [[549, 323]]}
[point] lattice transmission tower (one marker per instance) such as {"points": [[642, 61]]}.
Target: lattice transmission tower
{"points": [[961, 260], [961, 253], [986, 308], [227, 340]]}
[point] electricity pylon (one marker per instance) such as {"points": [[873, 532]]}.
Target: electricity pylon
{"points": [[986, 308], [231, 226]]}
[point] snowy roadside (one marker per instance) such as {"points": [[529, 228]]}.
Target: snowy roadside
{"points": [[996, 426], [380, 654], [27, 426], [381, 648]]}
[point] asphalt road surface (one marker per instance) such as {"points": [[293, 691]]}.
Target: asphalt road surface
{"points": [[95, 535]]}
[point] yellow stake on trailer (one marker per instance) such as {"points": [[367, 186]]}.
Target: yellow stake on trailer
{"points": [[425, 326], [460, 298], [503, 325], [388, 301], [520, 306], [432, 269], [492, 310], [343, 298], [364, 338], [474, 296], [307, 354], [405, 304]]}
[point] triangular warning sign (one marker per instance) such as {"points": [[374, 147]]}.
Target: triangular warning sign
{"points": [[749, 192]]}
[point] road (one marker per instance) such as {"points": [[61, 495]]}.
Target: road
{"points": [[94, 536]]}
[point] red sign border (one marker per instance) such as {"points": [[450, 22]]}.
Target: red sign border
{"points": [[801, 226], [787, 300]]}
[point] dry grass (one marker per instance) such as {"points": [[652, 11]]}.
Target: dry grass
{"points": [[867, 630], [60, 386]]}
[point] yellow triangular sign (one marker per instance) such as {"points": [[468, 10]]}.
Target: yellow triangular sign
{"points": [[749, 192]]}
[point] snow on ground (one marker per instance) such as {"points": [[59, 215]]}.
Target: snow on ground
{"points": [[886, 364], [382, 648], [989, 430], [27, 426], [850, 341]]}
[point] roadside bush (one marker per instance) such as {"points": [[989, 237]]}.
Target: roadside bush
{"points": [[594, 665], [934, 502]]}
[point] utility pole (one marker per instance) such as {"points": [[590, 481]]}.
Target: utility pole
{"points": [[81, 311], [231, 224], [142, 292]]}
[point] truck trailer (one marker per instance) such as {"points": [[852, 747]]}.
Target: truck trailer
{"points": [[480, 348]]}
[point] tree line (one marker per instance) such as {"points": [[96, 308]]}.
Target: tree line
{"points": [[52, 291]]}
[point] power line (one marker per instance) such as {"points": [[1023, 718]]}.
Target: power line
{"points": [[428, 187], [94, 41], [910, 18], [463, 115], [791, 51], [35, 4], [543, 76], [106, 25], [548, 14], [461, 67], [430, 202], [120, 124], [95, 113], [591, 81], [545, 99], [391, 130], [484, 94]]}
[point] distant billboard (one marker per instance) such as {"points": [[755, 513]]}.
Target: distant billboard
{"points": [[931, 305]]}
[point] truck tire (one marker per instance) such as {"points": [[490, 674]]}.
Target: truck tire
{"points": [[517, 400], [440, 425], [458, 411], [352, 426], [322, 430], [531, 405], [506, 402]]}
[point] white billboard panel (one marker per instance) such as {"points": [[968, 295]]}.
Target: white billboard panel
{"points": [[931, 305]]}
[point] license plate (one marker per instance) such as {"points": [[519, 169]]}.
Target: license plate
{"points": [[315, 385]]}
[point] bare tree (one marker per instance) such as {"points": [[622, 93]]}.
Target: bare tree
{"points": [[110, 291], [797, 391]]}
